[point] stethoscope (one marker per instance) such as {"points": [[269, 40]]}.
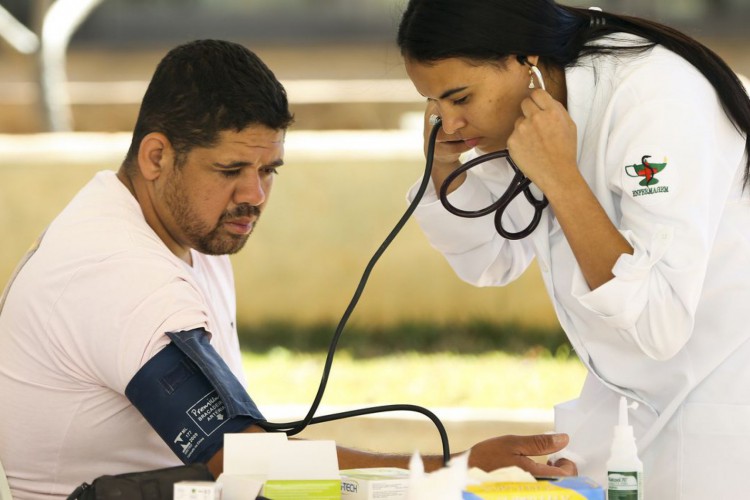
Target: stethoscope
{"points": [[519, 184]]}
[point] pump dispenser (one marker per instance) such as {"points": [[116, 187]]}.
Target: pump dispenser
{"points": [[624, 468]]}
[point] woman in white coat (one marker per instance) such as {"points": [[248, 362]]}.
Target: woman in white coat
{"points": [[639, 143]]}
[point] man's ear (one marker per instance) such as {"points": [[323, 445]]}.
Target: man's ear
{"points": [[154, 154]]}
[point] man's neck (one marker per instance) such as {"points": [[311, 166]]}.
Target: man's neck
{"points": [[139, 192]]}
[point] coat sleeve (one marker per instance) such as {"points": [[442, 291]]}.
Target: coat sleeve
{"points": [[673, 161]]}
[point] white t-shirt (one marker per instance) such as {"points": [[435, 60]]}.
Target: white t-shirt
{"points": [[84, 313]]}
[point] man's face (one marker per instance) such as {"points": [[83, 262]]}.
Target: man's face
{"points": [[212, 201]]}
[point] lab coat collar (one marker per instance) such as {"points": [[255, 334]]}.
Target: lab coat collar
{"points": [[580, 81]]}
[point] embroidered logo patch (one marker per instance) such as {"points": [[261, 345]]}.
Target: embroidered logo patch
{"points": [[648, 171]]}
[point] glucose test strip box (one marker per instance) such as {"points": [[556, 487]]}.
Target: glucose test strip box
{"points": [[380, 483], [567, 488]]}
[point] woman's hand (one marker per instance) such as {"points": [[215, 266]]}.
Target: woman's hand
{"points": [[543, 145], [505, 451], [544, 142]]}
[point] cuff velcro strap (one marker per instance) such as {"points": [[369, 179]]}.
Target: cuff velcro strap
{"points": [[195, 344]]}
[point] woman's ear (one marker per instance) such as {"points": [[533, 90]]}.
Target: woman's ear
{"points": [[528, 60], [154, 153]]}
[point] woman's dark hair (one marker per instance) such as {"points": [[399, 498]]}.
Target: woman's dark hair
{"points": [[491, 30], [204, 87]]}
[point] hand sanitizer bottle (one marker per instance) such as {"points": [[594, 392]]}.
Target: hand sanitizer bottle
{"points": [[624, 468]]}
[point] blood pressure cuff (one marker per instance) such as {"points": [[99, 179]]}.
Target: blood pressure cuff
{"points": [[191, 398]]}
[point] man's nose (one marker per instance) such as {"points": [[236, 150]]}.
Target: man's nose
{"points": [[250, 189]]}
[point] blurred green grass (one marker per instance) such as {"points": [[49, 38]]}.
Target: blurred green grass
{"points": [[473, 337], [473, 365]]}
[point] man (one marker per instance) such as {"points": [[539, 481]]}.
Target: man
{"points": [[118, 346]]}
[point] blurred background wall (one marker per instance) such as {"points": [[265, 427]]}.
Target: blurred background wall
{"points": [[118, 42], [352, 154]]}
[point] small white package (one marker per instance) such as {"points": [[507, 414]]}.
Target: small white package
{"points": [[376, 483], [197, 490]]}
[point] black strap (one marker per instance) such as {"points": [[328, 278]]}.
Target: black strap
{"points": [[146, 485]]}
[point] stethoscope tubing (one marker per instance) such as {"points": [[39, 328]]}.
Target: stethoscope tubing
{"points": [[519, 184], [294, 428]]}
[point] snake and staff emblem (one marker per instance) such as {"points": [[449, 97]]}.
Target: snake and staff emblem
{"points": [[646, 169]]}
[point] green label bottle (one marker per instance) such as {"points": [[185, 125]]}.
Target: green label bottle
{"points": [[624, 468], [624, 485]]}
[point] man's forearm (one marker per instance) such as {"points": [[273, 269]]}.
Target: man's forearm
{"points": [[356, 459]]}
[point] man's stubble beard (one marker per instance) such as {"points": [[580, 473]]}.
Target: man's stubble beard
{"points": [[209, 241]]}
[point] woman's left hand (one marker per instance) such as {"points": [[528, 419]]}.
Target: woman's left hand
{"points": [[543, 145], [544, 141]]}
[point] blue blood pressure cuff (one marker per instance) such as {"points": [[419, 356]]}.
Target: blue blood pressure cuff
{"points": [[191, 398]]}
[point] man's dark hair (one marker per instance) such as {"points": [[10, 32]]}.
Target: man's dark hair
{"points": [[204, 87]]}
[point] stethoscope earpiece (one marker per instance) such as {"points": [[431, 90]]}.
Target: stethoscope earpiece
{"points": [[523, 60], [538, 75]]}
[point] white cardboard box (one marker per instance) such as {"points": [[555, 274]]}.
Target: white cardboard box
{"points": [[283, 468]]}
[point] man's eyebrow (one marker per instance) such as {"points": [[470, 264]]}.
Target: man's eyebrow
{"points": [[234, 164], [239, 164]]}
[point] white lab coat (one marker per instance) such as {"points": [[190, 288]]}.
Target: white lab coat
{"points": [[669, 330]]}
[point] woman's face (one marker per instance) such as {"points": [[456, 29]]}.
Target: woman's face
{"points": [[479, 103]]}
